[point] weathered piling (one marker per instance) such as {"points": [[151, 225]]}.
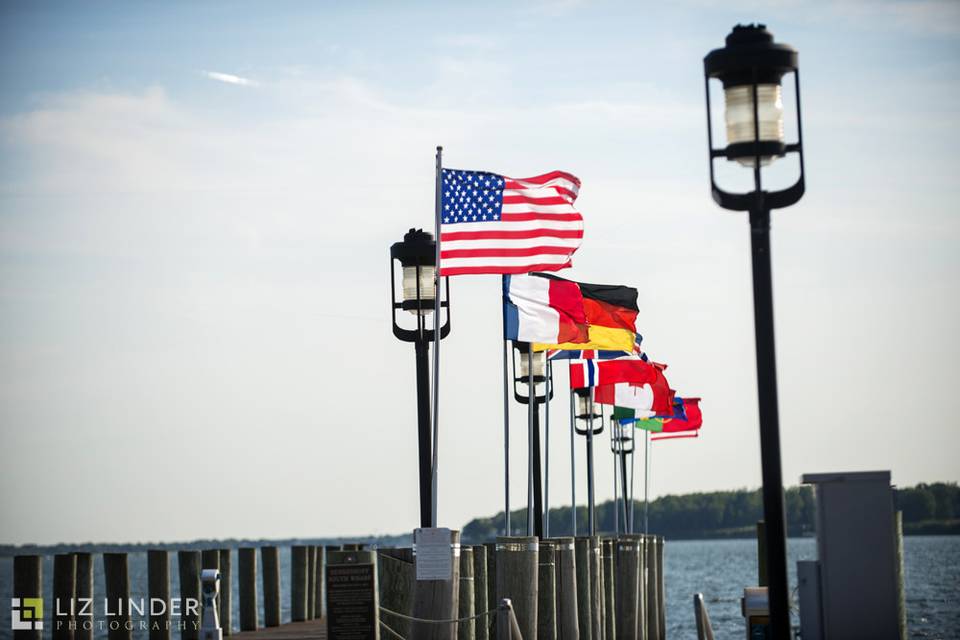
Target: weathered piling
{"points": [[188, 568], [396, 579], [466, 630], [158, 586], [117, 585], [582, 550], [247, 588], [517, 577], [84, 589], [547, 588], [565, 592], [651, 612], [320, 605], [661, 594], [491, 573], [482, 626], [311, 581], [642, 589], [226, 592], [596, 589], [299, 579], [627, 585], [27, 590], [270, 561], [64, 595], [438, 600], [609, 598]]}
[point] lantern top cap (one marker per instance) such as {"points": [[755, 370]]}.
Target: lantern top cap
{"points": [[417, 248], [750, 55]]}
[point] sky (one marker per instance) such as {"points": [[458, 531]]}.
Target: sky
{"points": [[197, 202]]}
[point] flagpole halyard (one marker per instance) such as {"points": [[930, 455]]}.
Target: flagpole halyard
{"points": [[436, 333]]}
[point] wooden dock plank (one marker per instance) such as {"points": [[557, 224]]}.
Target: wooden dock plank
{"points": [[309, 630]]}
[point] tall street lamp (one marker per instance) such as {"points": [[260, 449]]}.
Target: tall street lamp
{"points": [[417, 258], [751, 68], [590, 415], [532, 365]]}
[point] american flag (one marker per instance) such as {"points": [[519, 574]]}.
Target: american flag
{"points": [[494, 224]]}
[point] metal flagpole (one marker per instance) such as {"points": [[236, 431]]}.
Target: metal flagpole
{"points": [[646, 484], [530, 407], [436, 334], [633, 456], [591, 519], [573, 468], [616, 493], [546, 452], [506, 427]]}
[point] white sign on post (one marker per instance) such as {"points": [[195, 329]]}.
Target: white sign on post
{"points": [[433, 553]]}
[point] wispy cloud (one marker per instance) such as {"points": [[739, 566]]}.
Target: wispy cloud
{"points": [[229, 78]]}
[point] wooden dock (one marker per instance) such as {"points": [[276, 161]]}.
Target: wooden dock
{"points": [[309, 630]]}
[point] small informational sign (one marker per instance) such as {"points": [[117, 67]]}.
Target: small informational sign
{"points": [[351, 602], [434, 553]]}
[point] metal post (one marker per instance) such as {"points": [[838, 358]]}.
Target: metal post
{"points": [[422, 347], [546, 451], [633, 458], [436, 334], [573, 470], [506, 433], [616, 492], [591, 517], [530, 410], [646, 483], [537, 475], [773, 510]]}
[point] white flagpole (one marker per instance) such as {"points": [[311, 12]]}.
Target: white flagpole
{"points": [[546, 453], [436, 337]]}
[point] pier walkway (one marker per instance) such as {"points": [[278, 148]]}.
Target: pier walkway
{"points": [[309, 630]]}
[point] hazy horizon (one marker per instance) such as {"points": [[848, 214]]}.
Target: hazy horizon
{"points": [[197, 202]]}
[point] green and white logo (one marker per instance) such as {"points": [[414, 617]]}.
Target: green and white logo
{"points": [[27, 613]]}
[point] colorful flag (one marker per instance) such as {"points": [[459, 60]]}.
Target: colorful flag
{"points": [[594, 373], [637, 397], [541, 309], [611, 313], [593, 354], [494, 224], [692, 420]]}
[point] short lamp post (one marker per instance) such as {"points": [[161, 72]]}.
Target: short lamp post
{"points": [[751, 68], [417, 258], [589, 418], [527, 363]]}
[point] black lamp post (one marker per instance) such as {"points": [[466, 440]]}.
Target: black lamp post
{"points": [[590, 415], [751, 67], [417, 257], [523, 358], [621, 444]]}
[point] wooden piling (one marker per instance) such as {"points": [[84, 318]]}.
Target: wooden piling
{"points": [[652, 609], [188, 568], [64, 595], [491, 573], [298, 582], [517, 578], [661, 594], [311, 581], [596, 589], [84, 589], [247, 588], [225, 610], [396, 579], [609, 598], [482, 626], [467, 628], [438, 600], [320, 605], [547, 589], [642, 589], [582, 550], [565, 592], [627, 584], [270, 559], [158, 586], [117, 582], [27, 583]]}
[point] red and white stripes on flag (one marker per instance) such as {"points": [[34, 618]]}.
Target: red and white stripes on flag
{"points": [[494, 224]]}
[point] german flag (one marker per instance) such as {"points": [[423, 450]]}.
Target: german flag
{"points": [[611, 317]]}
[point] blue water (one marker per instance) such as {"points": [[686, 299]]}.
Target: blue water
{"points": [[717, 568]]}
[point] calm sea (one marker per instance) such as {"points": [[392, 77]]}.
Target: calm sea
{"points": [[718, 569]]}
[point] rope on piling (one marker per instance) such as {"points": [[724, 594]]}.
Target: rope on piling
{"points": [[392, 632], [452, 621]]}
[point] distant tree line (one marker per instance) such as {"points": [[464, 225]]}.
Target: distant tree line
{"points": [[927, 508]]}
